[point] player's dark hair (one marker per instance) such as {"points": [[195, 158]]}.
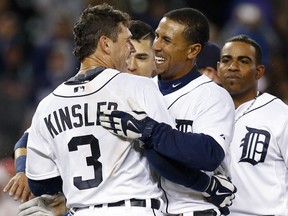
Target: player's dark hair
{"points": [[197, 25], [141, 31], [95, 22], [245, 39]]}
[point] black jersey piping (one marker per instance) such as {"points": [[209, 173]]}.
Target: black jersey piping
{"points": [[261, 106]]}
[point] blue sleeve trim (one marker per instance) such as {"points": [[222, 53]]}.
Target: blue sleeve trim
{"points": [[48, 186], [195, 150], [177, 172], [20, 164], [22, 142]]}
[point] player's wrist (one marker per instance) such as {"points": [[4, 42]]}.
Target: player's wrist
{"points": [[148, 129], [147, 132], [20, 164]]}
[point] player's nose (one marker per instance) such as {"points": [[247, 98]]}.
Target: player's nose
{"points": [[233, 66], [132, 66]]}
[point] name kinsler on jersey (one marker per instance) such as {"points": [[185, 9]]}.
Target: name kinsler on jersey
{"points": [[74, 116]]}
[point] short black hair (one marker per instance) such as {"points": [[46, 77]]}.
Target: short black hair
{"points": [[197, 25], [95, 22], [246, 39], [141, 30]]}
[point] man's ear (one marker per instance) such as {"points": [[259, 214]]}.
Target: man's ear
{"points": [[105, 44], [260, 71], [194, 50]]}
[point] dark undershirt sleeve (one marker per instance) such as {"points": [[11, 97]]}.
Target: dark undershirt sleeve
{"points": [[177, 172], [199, 151], [48, 186]]}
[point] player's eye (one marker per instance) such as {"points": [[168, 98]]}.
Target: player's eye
{"points": [[245, 61], [167, 40], [156, 36], [225, 60], [142, 57]]}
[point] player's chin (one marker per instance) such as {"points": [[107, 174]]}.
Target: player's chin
{"points": [[231, 89], [161, 68]]}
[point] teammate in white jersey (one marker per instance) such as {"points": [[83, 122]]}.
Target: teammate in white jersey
{"points": [[259, 150], [202, 111], [207, 61], [142, 61], [102, 174]]}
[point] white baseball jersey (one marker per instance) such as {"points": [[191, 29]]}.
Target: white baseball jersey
{"points": [[67, 140], [259, 158], [201, 106]]}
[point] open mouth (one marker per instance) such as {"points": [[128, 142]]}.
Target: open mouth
{"points": [[159, 60]]}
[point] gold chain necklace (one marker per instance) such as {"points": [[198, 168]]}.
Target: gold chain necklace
{"points": [[248, 107]]}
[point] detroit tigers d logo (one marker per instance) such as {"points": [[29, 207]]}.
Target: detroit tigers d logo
{"points": [[255, 145]]}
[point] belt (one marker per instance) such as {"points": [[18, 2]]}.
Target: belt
{"points": [[155, 204], [209, 212]]}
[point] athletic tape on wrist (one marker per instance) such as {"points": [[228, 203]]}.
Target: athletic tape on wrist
{"points": [[20, 164]]}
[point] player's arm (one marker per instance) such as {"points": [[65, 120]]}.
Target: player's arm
{"points": [[194, 179], [199, 151], [177, 172], [49, 186], [195, 150], [18, 185]]}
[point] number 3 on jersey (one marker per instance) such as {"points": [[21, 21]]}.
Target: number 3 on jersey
{"points": [[91, 161]]}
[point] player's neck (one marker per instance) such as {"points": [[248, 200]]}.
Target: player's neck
{"points": [[91, 62], [83, 69], [239, 99]]}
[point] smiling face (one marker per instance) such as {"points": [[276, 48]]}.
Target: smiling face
{"points": [[238, 70], [172, 52]]}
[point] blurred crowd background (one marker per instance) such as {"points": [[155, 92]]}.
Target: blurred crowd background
{"points": [[36, 44]]}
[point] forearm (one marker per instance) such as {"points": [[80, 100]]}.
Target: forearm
{"points": [[198, 151], [20, 153], [177, 172]]}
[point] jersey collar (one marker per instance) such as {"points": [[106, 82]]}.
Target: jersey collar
{"points": [[88, 76], [167, 87]]}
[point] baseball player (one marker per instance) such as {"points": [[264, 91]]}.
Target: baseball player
{"points": [[142, 61], [259, 152], [202, 111], [207, 61], [101, 173]]}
